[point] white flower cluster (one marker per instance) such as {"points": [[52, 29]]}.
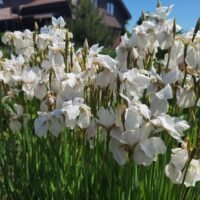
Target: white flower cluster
{"points": [[135, 98], [177, 171]]}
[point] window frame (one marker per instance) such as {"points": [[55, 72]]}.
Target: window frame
{"points": [[110, 8], [95, 3]]}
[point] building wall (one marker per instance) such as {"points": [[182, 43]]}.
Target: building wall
{"points": [[13, 3], [118, 13], [62, 9]]}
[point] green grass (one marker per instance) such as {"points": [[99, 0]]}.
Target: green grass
{"points": [[67, 168]]}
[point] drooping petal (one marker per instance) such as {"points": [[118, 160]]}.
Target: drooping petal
{"points": [[62, 22], [181, 125], [153, 146], [171, 77], [71, 111], [191, 56], [174, 126], [19, 109], [185, 97], [193, 173], [84, 119], [54, 21], [119, 153], [140, 157], [145, 131], [15, 125], [40, 91], [146, 152], [133, 119], [91, 130], [104, 79], [179, 157], [158, 106], [116, 133], [41, 126], [145, 111], [54, 126], [70, 123], [173, 170], [130, 137], [106, 117], [165, 93], [172, 173]]}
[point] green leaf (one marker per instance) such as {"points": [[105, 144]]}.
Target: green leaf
{"points": [[197, 28]]}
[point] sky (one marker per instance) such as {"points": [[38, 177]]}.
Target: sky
{"points": [[186, 12]]}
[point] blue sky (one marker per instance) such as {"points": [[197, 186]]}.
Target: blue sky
{"points": [[186, 12]]}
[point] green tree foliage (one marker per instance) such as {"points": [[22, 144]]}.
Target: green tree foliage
{"points": [[89, 24]]}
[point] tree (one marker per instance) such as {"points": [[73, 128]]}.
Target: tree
{"points": [[88, 23]]}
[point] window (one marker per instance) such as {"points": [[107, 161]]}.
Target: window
{"points": [[95, 3], [110, 8], [1, 1]]}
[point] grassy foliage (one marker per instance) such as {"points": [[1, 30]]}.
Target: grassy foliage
{"points": [[66, 168], [70, 166]]}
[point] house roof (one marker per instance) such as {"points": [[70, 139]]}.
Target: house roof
{"points": [[128, 14], [40, 2], [112, 21], [39, 16], [6, 14], [15, 11]]}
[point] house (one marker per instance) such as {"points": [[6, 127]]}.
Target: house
{"points": [[21, 14], [116, 13]]}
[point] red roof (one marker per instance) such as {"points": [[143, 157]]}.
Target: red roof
{"points": [[40, 2], [6, 14], [112, 21]]}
